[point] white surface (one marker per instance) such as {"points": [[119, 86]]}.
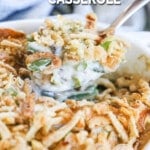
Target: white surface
{"points": [[140, 46]]}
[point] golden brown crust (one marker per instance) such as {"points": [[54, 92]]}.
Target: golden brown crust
{"points": [[56, 61], [8, 67], [10, 33], [113, 121], [142, 117], [27, 107], [24, 73], [91, 21], [12, 47]]}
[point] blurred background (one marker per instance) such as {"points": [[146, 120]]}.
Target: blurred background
{"points": [[31, 9]]}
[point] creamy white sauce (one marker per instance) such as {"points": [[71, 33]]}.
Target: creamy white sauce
{"points": [[37, 47], [63, 77]]}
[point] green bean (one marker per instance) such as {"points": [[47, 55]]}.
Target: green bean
{"points": [[88, 94], [39, 64], [106, 45]]}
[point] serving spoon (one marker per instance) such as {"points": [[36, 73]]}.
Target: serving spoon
{"points": [[123, 17]]}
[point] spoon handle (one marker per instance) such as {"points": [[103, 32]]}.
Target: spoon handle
{"points": [[128, 12]]}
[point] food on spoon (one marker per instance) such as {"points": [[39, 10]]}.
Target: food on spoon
{"points": [[79, 58]]}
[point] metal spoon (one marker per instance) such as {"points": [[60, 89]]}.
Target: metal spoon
{"points": [[123, 17]]}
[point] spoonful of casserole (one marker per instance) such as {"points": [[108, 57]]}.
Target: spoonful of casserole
{"points": [[69, 55]]}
